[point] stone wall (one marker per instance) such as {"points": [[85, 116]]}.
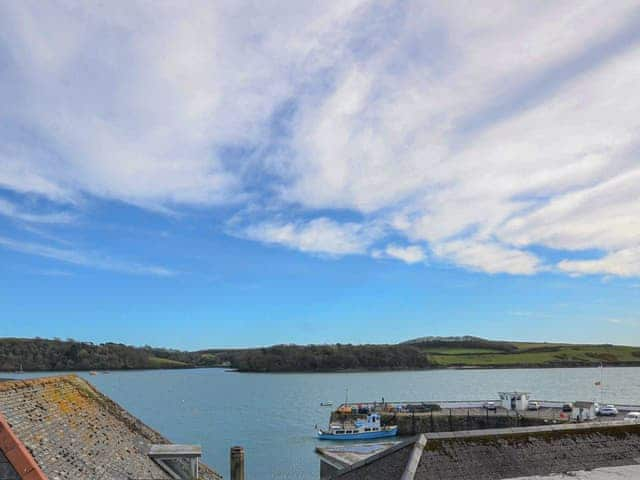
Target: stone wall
{"points": [[495, 457], [413, 424], [500, 454]]}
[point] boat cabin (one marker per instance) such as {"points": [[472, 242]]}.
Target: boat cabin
{"points": [[371, 424], [514, 400], [583, 411]]}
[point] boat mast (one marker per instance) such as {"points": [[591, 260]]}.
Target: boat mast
{"points": [[600, 383]]}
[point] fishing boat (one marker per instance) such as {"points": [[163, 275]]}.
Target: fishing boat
{"points": [[360, 430]]}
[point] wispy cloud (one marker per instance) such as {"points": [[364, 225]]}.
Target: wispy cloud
{"points": [[623, 263], [83, 259], [11, 210], [463, 127], [408, 254], [320, 235], [489, 257], [53, 273], [529, 314], [623, 322]]}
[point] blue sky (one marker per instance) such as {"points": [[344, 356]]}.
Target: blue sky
{"points": [[237, 174]]}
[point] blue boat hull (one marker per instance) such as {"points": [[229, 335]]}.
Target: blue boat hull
{"points": [[359, 436]]}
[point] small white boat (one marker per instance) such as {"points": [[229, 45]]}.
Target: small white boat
{"points": [[360, 430], [326, 404]]}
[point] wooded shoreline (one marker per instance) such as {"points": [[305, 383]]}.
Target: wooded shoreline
{"points": [[421, 354]]}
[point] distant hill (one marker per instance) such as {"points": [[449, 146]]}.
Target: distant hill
{"points": [[429, 352], [466, 338], [419, 353]]}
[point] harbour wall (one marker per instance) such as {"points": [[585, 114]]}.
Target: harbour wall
{"points": [[414, 423]]}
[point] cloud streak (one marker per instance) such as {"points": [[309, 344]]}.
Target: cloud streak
{"points": [[83, 259], [11, 210]]}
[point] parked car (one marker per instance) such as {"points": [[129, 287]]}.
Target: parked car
{"points": [[608, 411], [533, 406], [567, 407], [632, 417], [423, 407], [491, 406]]}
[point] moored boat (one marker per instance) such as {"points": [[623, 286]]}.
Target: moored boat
{"points": [[326, 404], [360, 430]]}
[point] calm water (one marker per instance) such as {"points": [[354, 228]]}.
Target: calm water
{"points": [[273, 415]]}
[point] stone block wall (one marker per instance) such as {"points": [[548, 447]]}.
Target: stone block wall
{"points": [[413, 424], [493, 458]]}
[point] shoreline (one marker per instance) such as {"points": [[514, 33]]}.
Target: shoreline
{"points": [[499, 367], [358, 370]]}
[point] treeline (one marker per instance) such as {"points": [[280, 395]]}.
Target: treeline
{"points": [[40, 355], [318, 358], [463, 342]]}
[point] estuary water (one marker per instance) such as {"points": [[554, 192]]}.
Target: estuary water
{"points": [[273, 415]]}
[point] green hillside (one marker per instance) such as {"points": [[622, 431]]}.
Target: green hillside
{"points": [[422, 353], [427, 352], [536, 354]]}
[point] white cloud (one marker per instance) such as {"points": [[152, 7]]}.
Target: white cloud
{"points": [[623, 322], [475, 130], [133, 101], [489, 257], [83, 259], [623, 263], [321, 235], [507, 147], [409, 254]]}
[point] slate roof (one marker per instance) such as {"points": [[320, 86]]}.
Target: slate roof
{"points": [[505, 453], [74, 432], [7, 472]]}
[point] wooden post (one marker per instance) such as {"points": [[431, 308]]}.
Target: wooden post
{"points": [[237, 463]]}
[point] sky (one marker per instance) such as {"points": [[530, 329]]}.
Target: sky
{"points": [[237, 173]]}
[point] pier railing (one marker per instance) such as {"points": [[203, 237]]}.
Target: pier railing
{"points": [[445, 404]]}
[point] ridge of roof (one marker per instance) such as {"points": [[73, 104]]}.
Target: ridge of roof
{"points": [[557, 429], [379, 455], [69, 392], [17, 454]]}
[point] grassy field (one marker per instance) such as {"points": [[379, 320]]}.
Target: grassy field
{"points": [[536, 354], [460, 351], [157, 362]]}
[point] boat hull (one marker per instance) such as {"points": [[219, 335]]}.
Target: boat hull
{"points": [[391, 432]]}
